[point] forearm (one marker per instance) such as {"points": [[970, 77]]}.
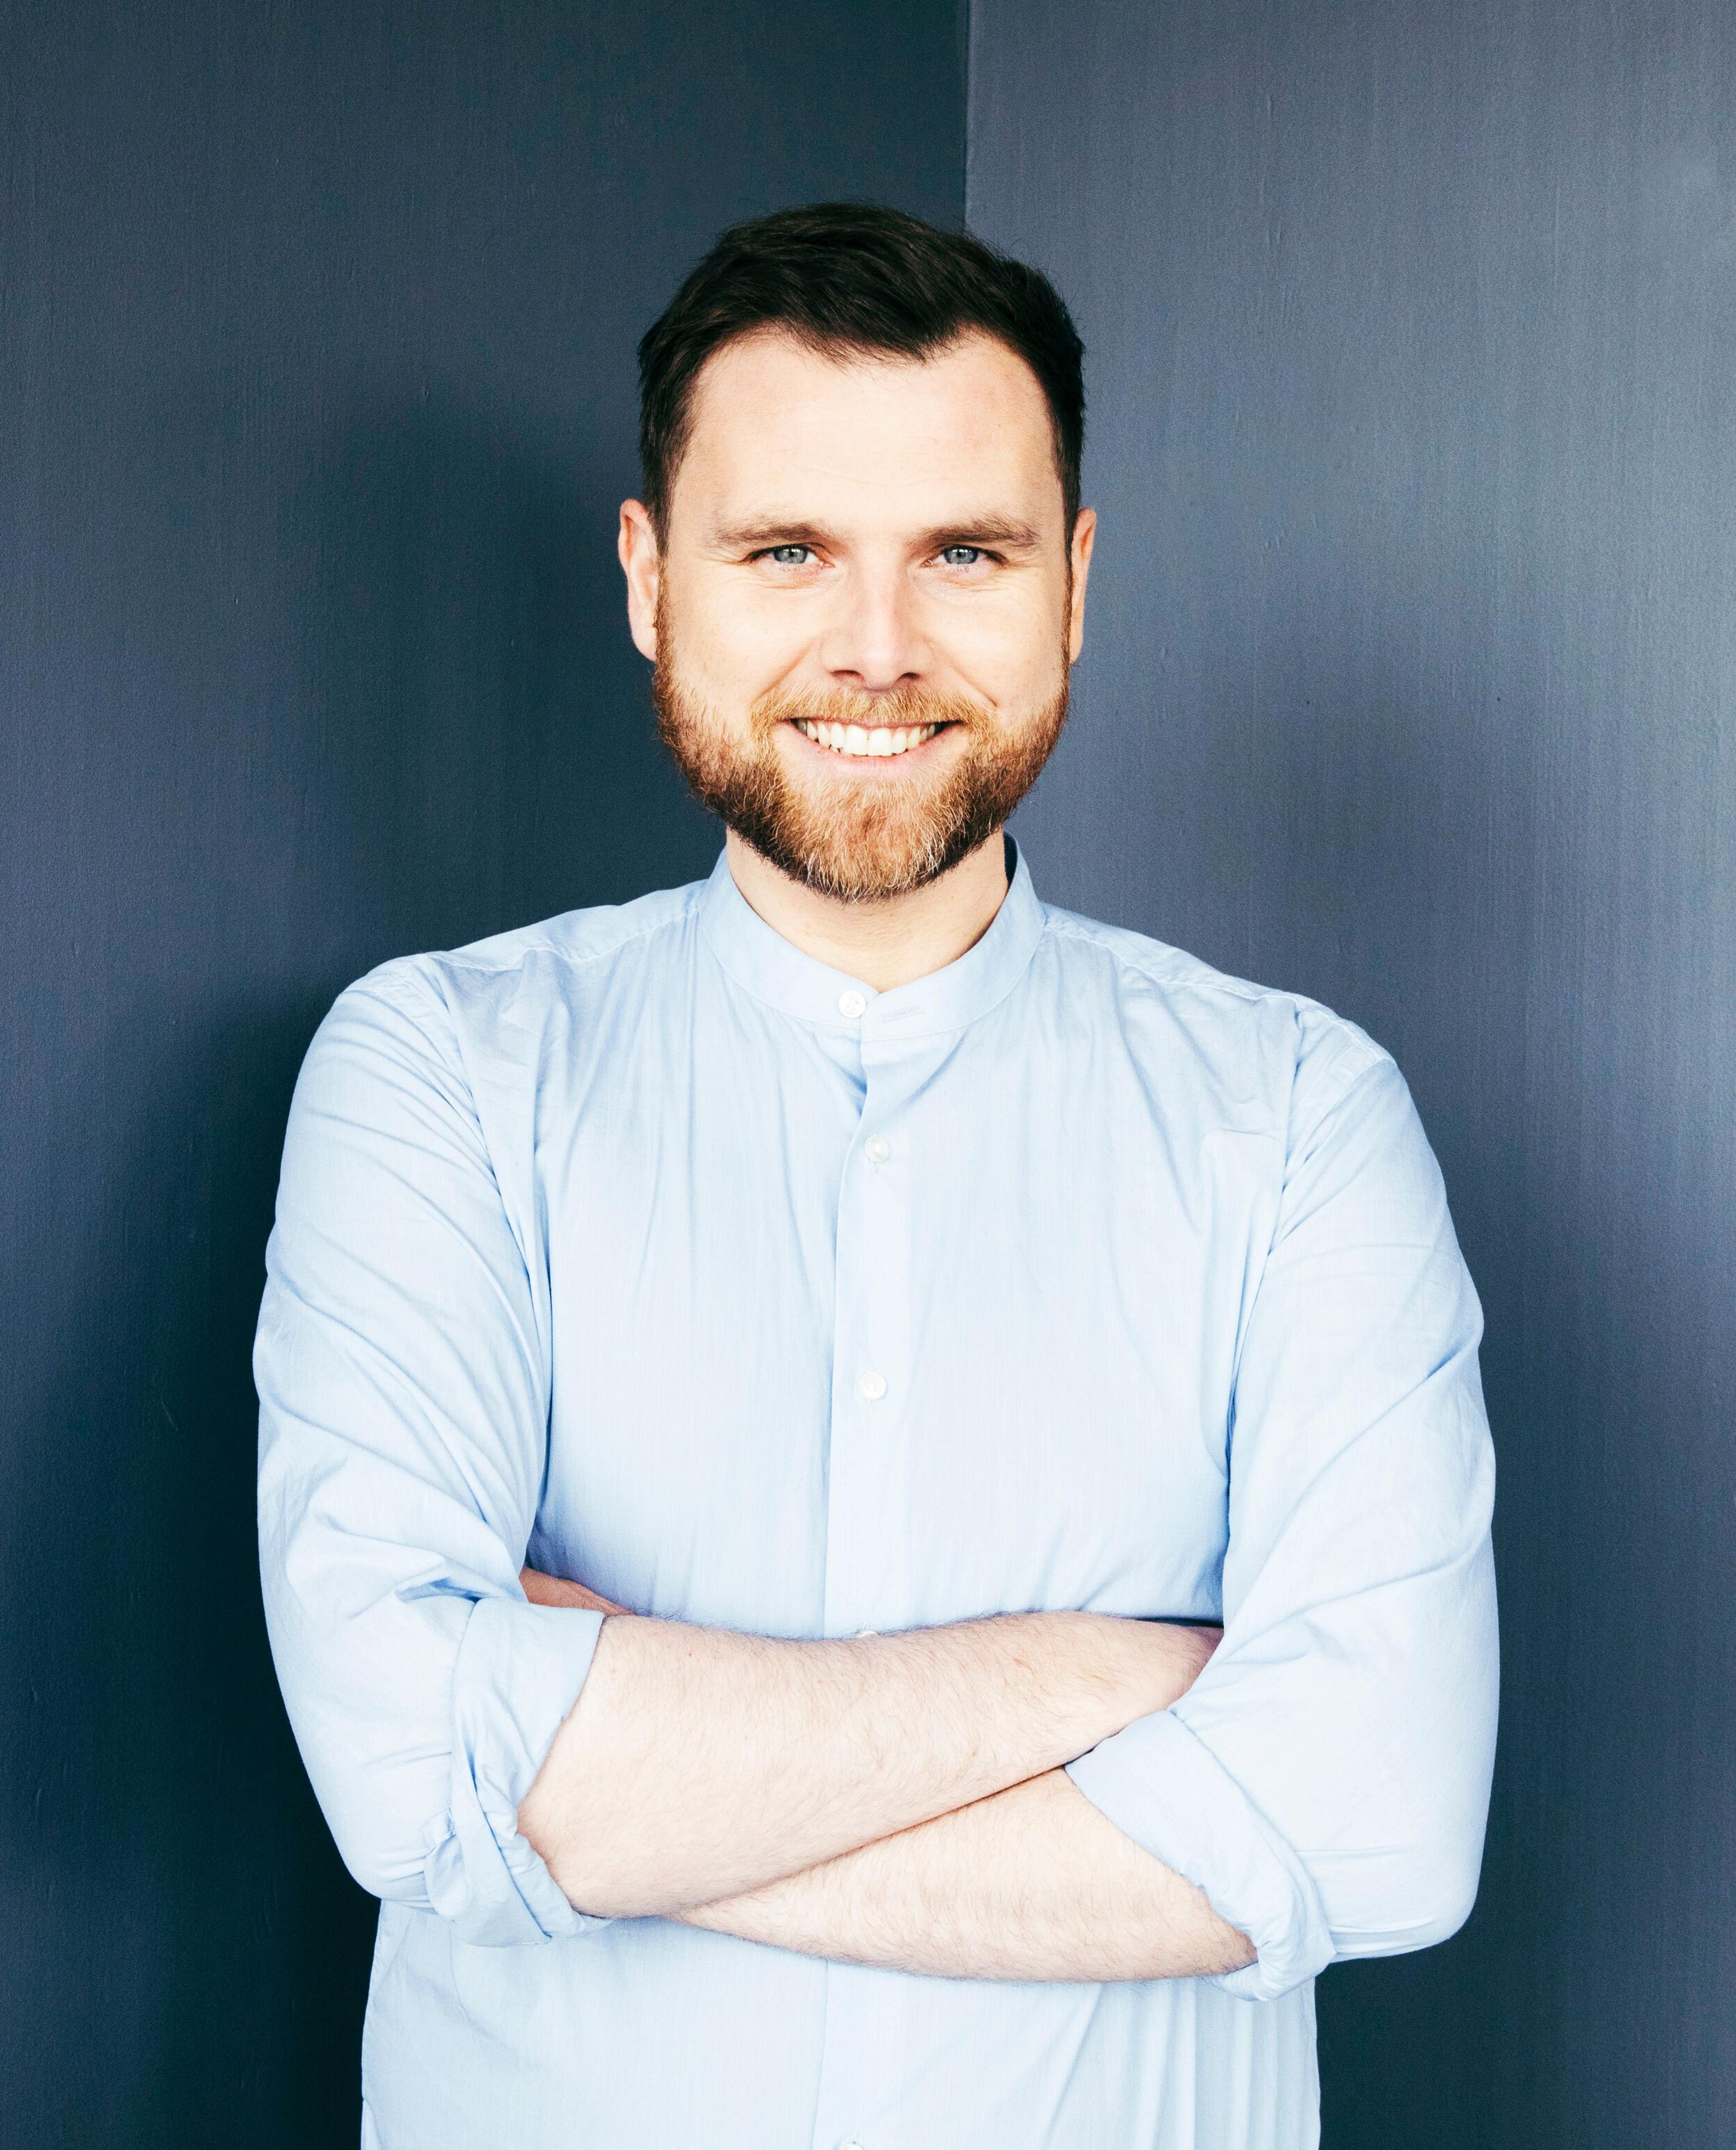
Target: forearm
{"points": [[1030, 1883], [700, 1764]]}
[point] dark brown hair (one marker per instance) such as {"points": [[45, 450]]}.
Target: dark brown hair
{"points": [[844, 277]]}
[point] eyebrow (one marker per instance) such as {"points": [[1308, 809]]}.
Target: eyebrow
{"points": [[1000, 530]]}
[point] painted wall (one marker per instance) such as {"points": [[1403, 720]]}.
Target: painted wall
{"points": [[316, 401], [1411, 685]]}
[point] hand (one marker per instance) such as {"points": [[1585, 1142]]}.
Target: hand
{"points": [[555, 1590]]}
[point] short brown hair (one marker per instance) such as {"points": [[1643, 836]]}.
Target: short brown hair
{"points": [[844, 277]]}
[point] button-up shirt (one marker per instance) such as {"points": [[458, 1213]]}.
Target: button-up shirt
{"points": [[643, 1247]]}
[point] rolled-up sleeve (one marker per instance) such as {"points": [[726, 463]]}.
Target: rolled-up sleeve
{"points": [[1326, 1781], [401, 1364]]}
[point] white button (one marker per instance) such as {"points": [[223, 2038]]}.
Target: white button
{"points": [[876, 1149], [870, 1387], [852, 1004]]}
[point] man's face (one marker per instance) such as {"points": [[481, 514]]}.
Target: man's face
{"points": [[864, 606]]}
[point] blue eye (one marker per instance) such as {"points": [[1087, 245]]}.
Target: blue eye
{"points": [[790, 556], [960, 556]]}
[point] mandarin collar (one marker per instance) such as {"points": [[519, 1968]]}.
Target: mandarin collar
{"points": [[774, 970]]}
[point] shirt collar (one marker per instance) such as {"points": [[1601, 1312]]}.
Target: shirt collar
{"points": [[774, 970]]}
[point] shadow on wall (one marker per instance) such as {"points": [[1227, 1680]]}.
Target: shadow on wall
{"points": [[460, 742], [169, 1826]]}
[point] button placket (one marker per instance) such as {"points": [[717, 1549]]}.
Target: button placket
{"points": [[870, 1344], [869, 1583]]}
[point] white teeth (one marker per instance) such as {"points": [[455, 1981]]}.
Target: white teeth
{"points": [[857, 740]]}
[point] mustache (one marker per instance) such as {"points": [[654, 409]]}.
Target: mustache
{"points": [[907, 705]]}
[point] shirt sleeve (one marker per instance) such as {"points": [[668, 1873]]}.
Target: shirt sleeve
{"points": [[402, 1378], [1325, 1781]]}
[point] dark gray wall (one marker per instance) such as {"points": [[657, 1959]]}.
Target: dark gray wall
{"points": [[1411, 685], [317, 398]]}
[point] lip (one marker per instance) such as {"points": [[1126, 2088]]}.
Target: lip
{"points": [[881, 767]]}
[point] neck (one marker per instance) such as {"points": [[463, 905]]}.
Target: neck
{"points": [[887, 943]]}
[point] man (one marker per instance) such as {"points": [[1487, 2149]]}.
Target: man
{"points": [[890, 1324]]}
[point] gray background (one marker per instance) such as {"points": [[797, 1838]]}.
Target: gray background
{"points": [[316, 404], [1409, 684]]}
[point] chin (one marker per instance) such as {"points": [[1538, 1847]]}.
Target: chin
{"points": [[873, 828], [866, 856]]}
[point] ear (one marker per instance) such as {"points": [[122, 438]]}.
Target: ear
{"points": [[1084, 537], [641, 563]]}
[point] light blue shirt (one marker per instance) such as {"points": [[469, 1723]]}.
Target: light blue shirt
{"points": [[644, 1246]]}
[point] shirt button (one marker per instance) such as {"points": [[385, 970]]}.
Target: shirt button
{"points": [[870, 1387], [876, 1149], [852, 1004]]}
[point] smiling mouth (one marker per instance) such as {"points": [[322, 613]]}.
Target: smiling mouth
{"points": [[878, 742]]}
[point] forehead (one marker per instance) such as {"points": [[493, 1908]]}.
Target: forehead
{"points": [[778, 424]]}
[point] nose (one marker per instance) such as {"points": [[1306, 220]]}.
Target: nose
{"points": [[873, 642]]}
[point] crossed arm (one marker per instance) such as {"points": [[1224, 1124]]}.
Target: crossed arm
{"points": [[896, 1799]]}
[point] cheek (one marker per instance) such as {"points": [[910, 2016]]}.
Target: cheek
{"points": [[745, 642], [1015, 655]]}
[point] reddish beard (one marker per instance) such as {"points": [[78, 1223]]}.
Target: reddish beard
{"points": [[859, 841]]}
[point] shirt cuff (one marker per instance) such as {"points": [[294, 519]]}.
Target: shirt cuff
{"points": [[1161, 1785], [519, 1670]]}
